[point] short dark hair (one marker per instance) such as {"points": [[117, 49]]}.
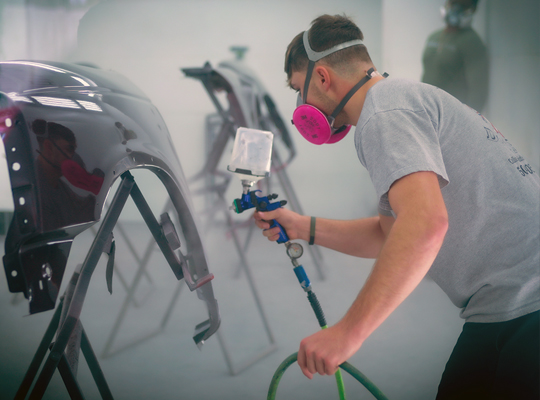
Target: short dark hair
{"points": [[326, 31]]}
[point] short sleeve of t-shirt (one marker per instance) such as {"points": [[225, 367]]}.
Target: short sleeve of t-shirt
{"points": [[395, 143]]}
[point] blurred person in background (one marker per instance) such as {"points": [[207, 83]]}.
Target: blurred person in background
{"points": [[455, 58]]}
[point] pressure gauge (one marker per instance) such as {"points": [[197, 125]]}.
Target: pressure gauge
{"points": [[295, 250]]}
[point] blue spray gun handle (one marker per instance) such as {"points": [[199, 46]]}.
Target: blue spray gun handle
{"points": [[263, 203]]}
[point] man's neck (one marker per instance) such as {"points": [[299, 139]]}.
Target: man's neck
{"points": [[353, 109], [451, 29]]}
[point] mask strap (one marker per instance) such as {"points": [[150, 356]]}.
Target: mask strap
{"points": [[60, 150], [315, 56], [348, 96], [309, 72]]}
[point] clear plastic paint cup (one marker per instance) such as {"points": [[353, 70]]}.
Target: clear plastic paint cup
{"points": [[252, 154]]}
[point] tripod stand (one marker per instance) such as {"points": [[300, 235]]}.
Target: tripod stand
{"points": [[164, 236]]}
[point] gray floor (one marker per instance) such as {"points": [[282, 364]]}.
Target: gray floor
{"points": [[404, 357]]}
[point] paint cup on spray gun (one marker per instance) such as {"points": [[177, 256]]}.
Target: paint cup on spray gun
{"points": [[251, 156], [250, 161]]}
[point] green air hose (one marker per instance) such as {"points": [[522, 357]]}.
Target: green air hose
{"points": [[317, 309], [339, 379], [360, 377], [294, 253]]}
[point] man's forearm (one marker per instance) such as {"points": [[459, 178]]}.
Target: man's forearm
{"points": [[360, 237], [412, 243], [406, 257]]}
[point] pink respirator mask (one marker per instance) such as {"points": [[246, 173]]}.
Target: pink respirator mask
{"points": [[312, 123]]}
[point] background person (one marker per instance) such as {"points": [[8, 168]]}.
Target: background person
{"points": [[455, 59]]}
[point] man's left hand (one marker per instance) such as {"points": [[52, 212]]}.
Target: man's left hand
{"points": [[325, 350]]}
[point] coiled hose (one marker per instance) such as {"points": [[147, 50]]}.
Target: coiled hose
{"points": [[295, 251], [355, 373]]}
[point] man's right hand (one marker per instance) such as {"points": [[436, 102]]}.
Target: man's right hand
{"points": [[296, 225]]}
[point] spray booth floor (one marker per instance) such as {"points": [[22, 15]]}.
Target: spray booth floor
{"points": [[404, 357]]}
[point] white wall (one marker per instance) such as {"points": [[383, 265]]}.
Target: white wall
{"points": [[148, 41]]}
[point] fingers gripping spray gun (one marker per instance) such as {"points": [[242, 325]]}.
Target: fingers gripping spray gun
{"points": [[251, 160]]}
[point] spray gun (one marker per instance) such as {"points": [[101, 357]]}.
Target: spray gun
{"points": [[251, 160]]}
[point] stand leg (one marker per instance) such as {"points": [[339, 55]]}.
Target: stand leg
{"points": [[95, 368], [255, 293], [159, 239], [69, 379], [251, 281], [172, 303], [87, 269], [130, 298], [40, 354], [124, 235], [74, 344], [135, 255]]}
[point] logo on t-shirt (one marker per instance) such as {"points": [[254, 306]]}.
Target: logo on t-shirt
{"points": [[492, 134]]}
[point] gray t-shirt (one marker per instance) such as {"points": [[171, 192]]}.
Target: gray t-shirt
{"points": [[489, 263]]}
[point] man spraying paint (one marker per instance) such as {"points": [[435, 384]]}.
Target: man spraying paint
{"points": [[453, 203]]}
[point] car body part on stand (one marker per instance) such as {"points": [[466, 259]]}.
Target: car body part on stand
{"points": [[71, 132]]}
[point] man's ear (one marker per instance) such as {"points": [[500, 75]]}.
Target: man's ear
{"points": [[321, 75]]}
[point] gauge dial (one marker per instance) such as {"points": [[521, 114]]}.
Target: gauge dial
{"points": [[295, 250]]}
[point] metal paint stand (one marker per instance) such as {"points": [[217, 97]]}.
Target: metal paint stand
{"points": [[209, 172], [222, 205], [73, 303], [217, 138], [220, 128]]}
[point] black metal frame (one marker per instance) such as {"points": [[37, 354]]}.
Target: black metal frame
{"points": [[74, 302]]}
